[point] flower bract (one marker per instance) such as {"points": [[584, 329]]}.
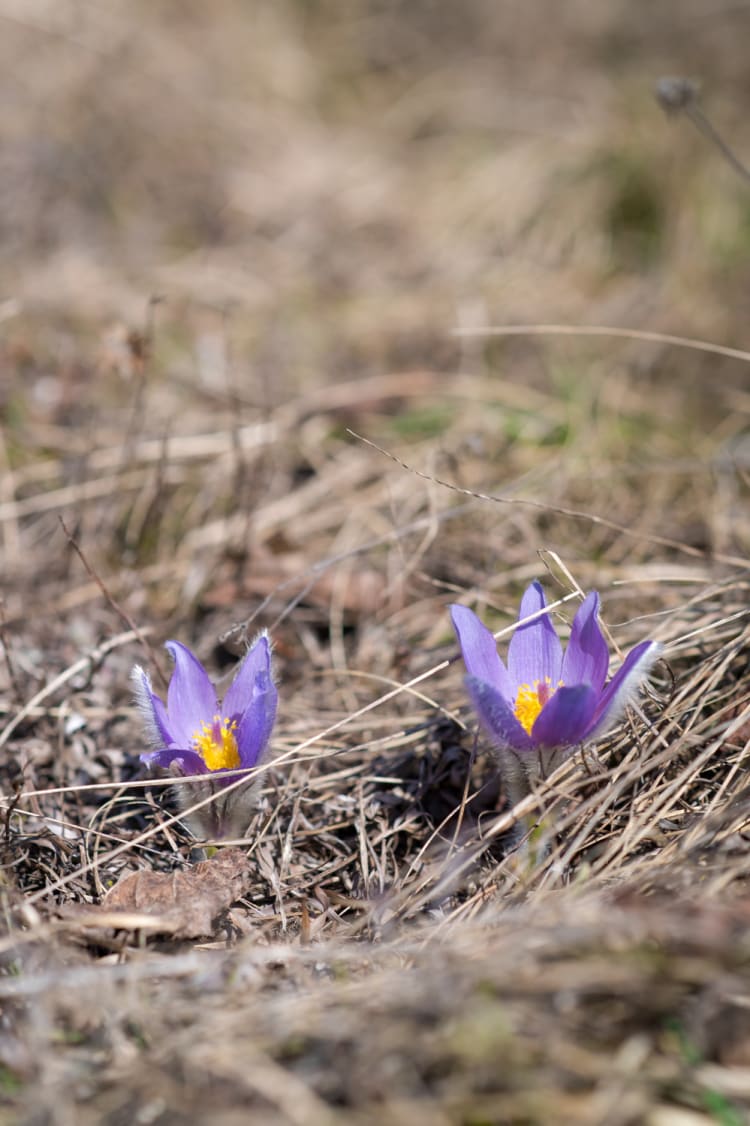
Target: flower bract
{"points": [[544, 697], [194, 733]]}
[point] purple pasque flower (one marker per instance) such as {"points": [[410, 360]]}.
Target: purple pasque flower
{"points": [[194, 734], [547, 698]]}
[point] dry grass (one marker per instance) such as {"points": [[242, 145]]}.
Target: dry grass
{"points": [[298, 438]]}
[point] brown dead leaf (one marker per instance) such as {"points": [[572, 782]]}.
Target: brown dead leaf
{"points": [[184, 903]]}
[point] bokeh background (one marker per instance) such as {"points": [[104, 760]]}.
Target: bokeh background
{"points": [[221, 208], [352, 181]]}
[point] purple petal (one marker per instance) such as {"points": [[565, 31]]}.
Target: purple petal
{"points": [[257, 723], [151, 708], [251, 676], [535, 651], [191, 699], [189, 762], [586, 659], [162, 720], [251, 701], [496, 715], [563, 720], [623, 687], [480, 651]]}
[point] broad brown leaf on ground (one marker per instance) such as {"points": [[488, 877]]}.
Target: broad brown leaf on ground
{"points": [[187, 902]]}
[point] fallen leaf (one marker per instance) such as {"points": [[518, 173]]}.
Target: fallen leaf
{"points": [[184, 903]]}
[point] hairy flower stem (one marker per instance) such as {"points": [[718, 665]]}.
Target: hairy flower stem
{"points": [[521, 776], [517, 786]]}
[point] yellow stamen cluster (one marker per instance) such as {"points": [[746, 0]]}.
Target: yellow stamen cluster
{"points": [[217, 745], [530, 700]]}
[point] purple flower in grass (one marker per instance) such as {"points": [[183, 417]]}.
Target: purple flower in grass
{"points": [[195, 735], [547, 699]]}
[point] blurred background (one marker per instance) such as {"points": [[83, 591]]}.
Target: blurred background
{"points": [[209, 212], [350, 182]]}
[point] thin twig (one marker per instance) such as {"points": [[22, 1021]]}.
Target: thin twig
{"points": [[119, 610]]}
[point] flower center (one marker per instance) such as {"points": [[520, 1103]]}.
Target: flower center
{"points": [[216, 744], [530, 700]]}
